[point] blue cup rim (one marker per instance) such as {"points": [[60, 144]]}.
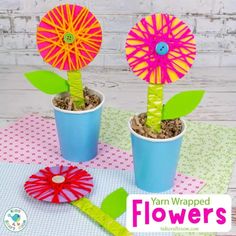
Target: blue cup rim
{"points": [[96, 92], [158, 140]]}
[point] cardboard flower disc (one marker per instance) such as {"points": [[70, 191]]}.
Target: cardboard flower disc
{"points": [[160, 49], [59, 184], [69, 37]]}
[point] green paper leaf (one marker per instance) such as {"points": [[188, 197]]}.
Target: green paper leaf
{"points": [[114, 204], [47, 81], [182, 104]]}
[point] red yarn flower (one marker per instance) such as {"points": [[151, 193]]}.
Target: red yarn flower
{"points": [[59, 184]]}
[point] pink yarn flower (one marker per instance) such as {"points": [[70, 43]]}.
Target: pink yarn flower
{"points": [[160, 49]]}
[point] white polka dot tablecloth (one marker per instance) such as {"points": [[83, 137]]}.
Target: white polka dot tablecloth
{"points": [[33, 140]]}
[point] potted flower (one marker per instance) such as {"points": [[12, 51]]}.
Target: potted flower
{"points": [[68, 38], [160, 49]]}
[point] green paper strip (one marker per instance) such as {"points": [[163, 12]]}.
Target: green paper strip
{"points": [[95, 213], [76, 88], [114, 204], [154, 107]]}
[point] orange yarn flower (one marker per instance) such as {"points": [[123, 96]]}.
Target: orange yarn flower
{"points": [[69, 37]]}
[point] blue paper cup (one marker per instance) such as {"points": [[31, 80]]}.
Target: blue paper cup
{"points": [[155, 161], [78, 131]]}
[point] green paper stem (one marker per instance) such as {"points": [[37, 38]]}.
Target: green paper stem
{"points": [[154, 107], [106, 221], [76, 88]]}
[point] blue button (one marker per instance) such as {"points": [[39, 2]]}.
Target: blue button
{"points": [[162, 48]]}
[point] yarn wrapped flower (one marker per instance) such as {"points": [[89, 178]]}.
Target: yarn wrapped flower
{"points": [[69, 184], [69, 37], [160, 49], [59, 184]]}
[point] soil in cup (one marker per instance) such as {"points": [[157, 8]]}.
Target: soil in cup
{"points": [[169, 128], [66, 103]]}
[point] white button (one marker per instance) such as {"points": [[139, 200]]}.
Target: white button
{"points": [[58, 179]]}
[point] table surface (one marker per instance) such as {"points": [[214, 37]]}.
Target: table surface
{"points": [[125, 91]]}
